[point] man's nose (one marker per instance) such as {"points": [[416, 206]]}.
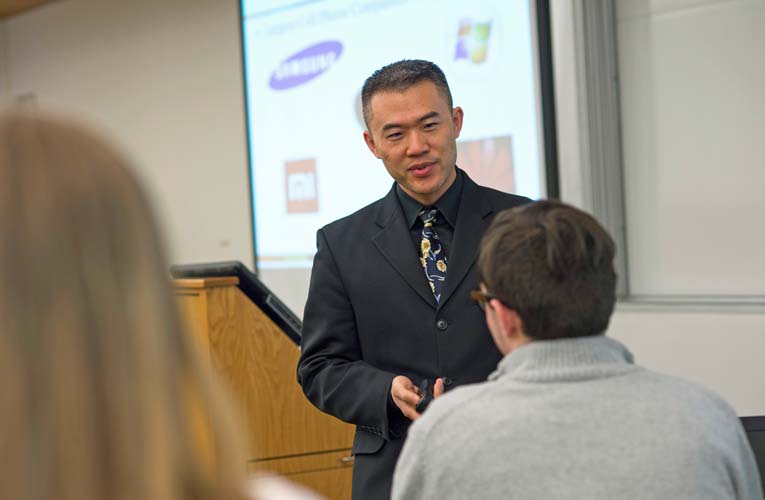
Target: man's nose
{"points": [[417, 145]]}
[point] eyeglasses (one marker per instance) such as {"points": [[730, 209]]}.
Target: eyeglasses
{"points": [[483, 298]]}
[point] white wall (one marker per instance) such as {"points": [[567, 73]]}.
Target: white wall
{"points": [[165, 77], [721, 347]]}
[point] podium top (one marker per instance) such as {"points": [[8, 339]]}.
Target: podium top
{"points": [[197, 283]]}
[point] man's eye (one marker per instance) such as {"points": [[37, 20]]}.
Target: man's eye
{"points": [[430, 125], [394, 136]]}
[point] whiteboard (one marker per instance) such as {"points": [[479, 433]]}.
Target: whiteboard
{"points": [[693, 129]]}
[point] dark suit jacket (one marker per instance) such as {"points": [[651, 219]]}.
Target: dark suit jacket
{"points": [[371, 315]]}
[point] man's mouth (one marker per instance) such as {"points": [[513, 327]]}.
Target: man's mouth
{"points": [[422, 169]]}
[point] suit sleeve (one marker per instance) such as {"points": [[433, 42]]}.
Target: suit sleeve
{"points": [[331, 370]]}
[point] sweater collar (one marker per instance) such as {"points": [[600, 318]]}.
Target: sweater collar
{"points": [[580, 358]]}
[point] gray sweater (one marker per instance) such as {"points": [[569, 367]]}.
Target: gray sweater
{"points": [[575, 419]]}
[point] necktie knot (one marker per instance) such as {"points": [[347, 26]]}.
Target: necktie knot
{"points": [[428, 216]]}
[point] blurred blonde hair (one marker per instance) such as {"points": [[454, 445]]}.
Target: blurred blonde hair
{"points": [[100, 388]]}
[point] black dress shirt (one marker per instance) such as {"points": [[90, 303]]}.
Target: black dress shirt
{"points": [[448, 206]]}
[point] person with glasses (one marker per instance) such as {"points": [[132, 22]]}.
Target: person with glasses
{"points": [[567, 414]]}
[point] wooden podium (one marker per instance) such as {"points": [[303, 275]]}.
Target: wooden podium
{"points": [[288, 435]]}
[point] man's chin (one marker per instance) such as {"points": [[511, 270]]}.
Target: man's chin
{"points": [[426, 196]]}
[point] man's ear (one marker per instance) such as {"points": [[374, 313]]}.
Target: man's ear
{"points": [[457, 116], [370, 143], [509, 320]]}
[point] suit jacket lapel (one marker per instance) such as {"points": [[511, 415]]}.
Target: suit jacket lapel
{"points": [[472, 220], [395, 243]]}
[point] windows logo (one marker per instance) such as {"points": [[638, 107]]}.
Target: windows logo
{"points": [[472, 40]]}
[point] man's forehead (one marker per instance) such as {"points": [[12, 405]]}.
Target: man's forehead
{"points": [[393, 106]]}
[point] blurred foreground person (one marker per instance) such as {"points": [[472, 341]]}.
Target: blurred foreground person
{"points": [[103, 394], [567, 415]]}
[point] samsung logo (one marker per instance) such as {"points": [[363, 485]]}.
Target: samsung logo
{"points": [[305, 65]]}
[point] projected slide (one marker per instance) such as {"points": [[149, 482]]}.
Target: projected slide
{"points": [[305, 63]]}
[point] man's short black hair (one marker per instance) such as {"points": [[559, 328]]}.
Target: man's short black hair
{"points": [[398, 77], [553, 264]]}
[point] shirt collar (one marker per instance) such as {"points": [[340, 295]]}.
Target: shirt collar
{"points": [[448, 205]]}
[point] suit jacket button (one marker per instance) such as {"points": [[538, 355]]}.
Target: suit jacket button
{"points": [[448, 381], [442, 325]]}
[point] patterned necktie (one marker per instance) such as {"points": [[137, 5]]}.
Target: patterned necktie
{"points": [[432, 253]]}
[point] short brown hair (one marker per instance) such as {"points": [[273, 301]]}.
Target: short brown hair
{"points": [[398, 77], [553, 264]]}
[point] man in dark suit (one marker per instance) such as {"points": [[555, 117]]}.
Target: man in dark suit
{"points": [[389, 303]]}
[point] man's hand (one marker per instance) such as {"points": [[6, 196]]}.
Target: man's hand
{"points": [[406, 395]]}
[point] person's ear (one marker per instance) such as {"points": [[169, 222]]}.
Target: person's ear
{"points": [[457, 116], [371, 143], [509, 320]]}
